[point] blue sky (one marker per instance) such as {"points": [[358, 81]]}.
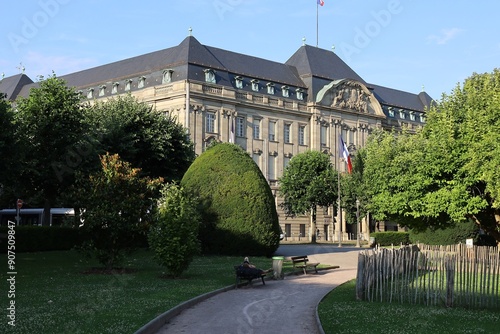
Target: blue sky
{"points": [[402, 44]]}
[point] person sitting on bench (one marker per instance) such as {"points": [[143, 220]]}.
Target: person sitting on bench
{"points": [[250, 270]]}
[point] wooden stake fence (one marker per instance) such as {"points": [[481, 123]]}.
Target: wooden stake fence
{"points": [[454, 275]]}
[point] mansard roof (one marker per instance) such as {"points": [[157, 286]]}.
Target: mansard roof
{"points": [[11, 86], [309, 67], [313, 61], [400, 99]]}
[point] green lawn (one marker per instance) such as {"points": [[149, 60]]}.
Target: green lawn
{"points": [[339, 312], [54, 295]]}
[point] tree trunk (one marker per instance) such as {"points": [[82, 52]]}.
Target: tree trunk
{"points": [[312, 233]]}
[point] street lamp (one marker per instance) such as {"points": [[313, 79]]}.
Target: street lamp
{"points": [[357, 223]]}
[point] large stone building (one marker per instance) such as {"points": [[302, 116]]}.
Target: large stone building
{"points": [[273, 110]]}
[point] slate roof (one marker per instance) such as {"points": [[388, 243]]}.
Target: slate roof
{"points": [[312, 61], [12, 85], [309, 67], [401, 99]]}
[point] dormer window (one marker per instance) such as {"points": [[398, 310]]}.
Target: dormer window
{"points": [[90, 93], [270, 88], [114, 90], [102, 90], [391, 112], [255, 85], [238, 81], [285, 91], [402, 114], [128, 84], [422, 118], [142, 82], [167, 76], [209, 76], [412, 116], [300, 94]]}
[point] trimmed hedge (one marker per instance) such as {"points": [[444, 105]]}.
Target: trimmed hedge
{"points": [[391, 238], [238, 209], [453, 235], [40, 238]]}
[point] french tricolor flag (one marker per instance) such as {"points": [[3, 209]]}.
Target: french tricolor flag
{"points": [[321, 2], [345, 154]]}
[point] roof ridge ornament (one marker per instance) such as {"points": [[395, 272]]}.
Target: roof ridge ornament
{"points": [[190, 30]]}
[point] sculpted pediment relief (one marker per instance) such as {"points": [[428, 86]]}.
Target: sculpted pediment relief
{"points": [[350, 95]]}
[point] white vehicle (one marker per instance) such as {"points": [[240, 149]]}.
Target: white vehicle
{"points": [[34, 217]]}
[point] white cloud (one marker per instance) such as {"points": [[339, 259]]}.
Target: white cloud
{"points": [[40, 64], [444, 36]]}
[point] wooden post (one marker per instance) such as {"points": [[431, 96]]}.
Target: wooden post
{"points": [[360, 278]]}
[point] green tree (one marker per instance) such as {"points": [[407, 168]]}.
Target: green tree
{"points": [[308, 181], [448, 172], [146, 138], [117, 212], [174, 235], [353, 188], [238, 208], [50, 134], [7, 152]]}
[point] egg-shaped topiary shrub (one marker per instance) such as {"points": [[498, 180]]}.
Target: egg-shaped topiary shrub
{"points": [[238, 209]]}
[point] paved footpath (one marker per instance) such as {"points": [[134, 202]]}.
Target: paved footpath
{"points": [[280, 306]]}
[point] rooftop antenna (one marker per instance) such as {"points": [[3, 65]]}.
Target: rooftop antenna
{"points": [[190, 31]]}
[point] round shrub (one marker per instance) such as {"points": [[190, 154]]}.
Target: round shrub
{"points": [[452, 235], [238, 209]]}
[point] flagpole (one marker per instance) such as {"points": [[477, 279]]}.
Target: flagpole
{"points": [[317, 23]]}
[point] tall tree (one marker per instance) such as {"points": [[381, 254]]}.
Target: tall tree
{"points": [[448, 172], [50, 133], [308, 181], [7, 151], [148, 139]]}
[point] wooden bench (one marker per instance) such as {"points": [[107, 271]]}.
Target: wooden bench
{"points": [[243, 274], [302, 262]]}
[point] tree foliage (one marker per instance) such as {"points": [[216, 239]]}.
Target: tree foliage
{"points": [[50, 129], [117, 212], [238, 208], [448, 172], [7, 149], [173, 237], [148, 139], [308, 181]]}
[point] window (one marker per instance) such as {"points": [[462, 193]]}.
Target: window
{"points": [[285, 92], [422, 118], [302, 230], [128, 84], [286, 132], [272, 130], [288, 230], [240, 126], [114, 90], [270, 88], [210, 122], [391, 112], [271, 170], [102, 90], [302, 134], [286, 160], [256, 158], [300, 94], [412, 116], [256, 128], [324, 135], [90, 93], [209, 76], [142, 82], [401, 114], [238, 81], [167, 76], [255, 85]]}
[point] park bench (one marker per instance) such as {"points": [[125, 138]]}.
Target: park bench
{"points": [[302, 262], [245, 273]]}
